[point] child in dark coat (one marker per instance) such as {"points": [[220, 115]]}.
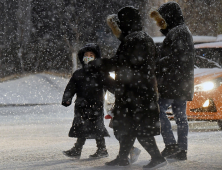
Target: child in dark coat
{"points": [[89, 86]]}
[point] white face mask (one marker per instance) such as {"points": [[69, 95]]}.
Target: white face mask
{"points": [[87, 59]]}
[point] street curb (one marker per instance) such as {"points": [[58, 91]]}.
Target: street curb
{"points": [[198, 125]]}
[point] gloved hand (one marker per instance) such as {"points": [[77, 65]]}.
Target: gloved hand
{"points": [[66, 104]]}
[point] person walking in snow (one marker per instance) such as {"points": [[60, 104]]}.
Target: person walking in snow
{"points": [[175, 77], [136, 111], [89, 86], [134, 151]]}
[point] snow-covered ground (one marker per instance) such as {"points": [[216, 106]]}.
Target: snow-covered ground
{"points": [[34, 136]]}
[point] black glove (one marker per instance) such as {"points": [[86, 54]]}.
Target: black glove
{"points": [[66, 104]]}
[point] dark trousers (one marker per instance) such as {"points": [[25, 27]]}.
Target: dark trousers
{"points": [[179, 111], [148, 143], [99, 141]]}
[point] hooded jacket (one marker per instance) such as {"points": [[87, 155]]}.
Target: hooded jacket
{"points": [[136, 110], [176, 63], [89, 87]]}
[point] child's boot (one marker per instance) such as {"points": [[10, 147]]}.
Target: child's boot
{"points": [[100, 153], [74, 152]]}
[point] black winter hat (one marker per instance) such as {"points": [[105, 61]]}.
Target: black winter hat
{"points": [[172, 14], [93, 47], [130, 20]]}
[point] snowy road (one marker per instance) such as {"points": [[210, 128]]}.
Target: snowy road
{"points": [[34, 137]]}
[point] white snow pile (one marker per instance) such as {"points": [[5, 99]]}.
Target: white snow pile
{"points": [[33, 89], [196, 39]]}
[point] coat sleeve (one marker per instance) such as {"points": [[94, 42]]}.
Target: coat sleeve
{"points": [[104, 64], [108, 82], [182, 53], [180, 58], [70, 91], [157, 59]]}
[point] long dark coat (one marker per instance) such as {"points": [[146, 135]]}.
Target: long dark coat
{"points": [[176, 64], [136, 110], [89, 86]]}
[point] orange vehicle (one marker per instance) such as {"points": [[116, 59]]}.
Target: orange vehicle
{"points": [[207, 101]]}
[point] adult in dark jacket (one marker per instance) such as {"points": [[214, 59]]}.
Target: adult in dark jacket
{"points": [[175, 77], [89, 86], [136, 112]]}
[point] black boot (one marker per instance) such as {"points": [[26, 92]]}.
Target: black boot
{"points": [[181, 155], [114, 162], [118, 162], [156, 163], [100, 153], [170, 150], [149, 144], [126, 143], [73, 152]]}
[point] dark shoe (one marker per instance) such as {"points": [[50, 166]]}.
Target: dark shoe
{"points": [[182, 155], [73, 152], [156, 163], [100, 153], [124, 162], [114, 162], [170, 150]]}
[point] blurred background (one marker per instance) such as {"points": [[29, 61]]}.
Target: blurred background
{"points": [[45, 35]]}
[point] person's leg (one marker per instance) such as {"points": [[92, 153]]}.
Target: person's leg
{"points": [[101, 151], [80, 142], [166, 129], [75, 151], [100, 142], [134, 155], [149, 144], [179, 110], [126, 143], [171, 146]]}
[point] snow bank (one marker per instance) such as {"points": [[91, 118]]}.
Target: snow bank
{"points": [[196, 39], [33, 89]]}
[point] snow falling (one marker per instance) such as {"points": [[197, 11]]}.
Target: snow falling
{"points": [[39, 44]]}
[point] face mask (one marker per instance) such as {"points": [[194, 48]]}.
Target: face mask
{"points": [[86, 59]]}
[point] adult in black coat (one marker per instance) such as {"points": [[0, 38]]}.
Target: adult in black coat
{"points": [[176, 75], [136, 112], [89, 87]]}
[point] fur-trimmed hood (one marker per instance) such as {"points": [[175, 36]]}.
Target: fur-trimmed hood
{"points": [[167, 16], [127, 20], [89, 47]]}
